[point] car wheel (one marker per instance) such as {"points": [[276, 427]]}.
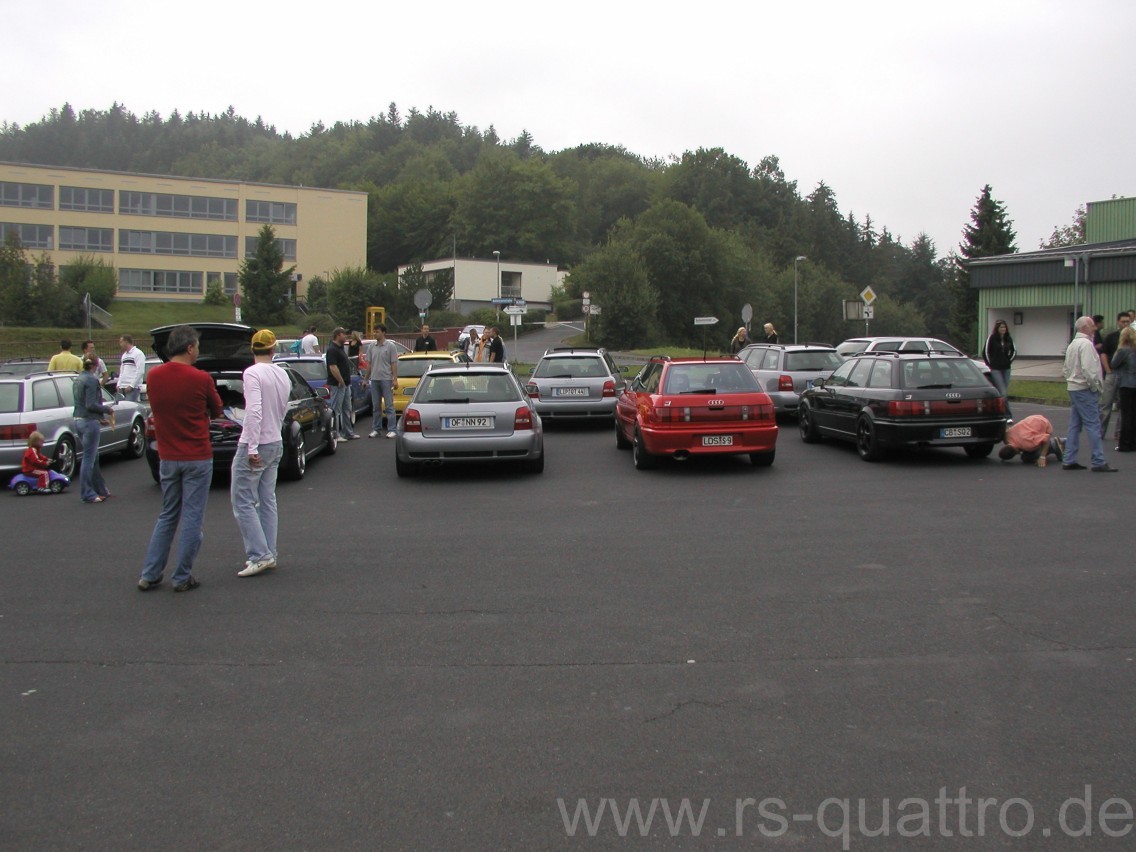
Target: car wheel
{"points": [[23, 489], [65, 456], [979, 451], [136, 444], [332, 439], [621, 441], [805, 422], [867, 443], [535, 465], [405, 469], [56, 486], [762, 459], [643, 459], [297, 459]]}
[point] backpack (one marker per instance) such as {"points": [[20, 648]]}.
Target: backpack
{"points": [[296, 346]]}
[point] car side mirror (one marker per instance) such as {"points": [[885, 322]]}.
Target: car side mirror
{"points": [[819, 383], [323, 392]]}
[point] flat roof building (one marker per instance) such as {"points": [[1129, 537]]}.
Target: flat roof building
{"points": [[169, 238]]}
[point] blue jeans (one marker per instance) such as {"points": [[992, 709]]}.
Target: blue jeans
{"points": [[340, 403], [1085, 415], [382, 389], [253, 491], [133, 395], [91, 484], [1001, 380], [185, 494]]}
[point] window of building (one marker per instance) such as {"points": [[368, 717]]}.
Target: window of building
{"points": [[177, 206], [167, 242], [272, 212], [511, 284], [287, 247], [159, 281], [227, 279], [30, 236], [86, 239], [83, 198], [38, 195]]}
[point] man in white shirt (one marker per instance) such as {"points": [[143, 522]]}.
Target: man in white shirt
{"points": [[253, 483], [382, 373], [131, 370], [1084, 381], [309, 343]]}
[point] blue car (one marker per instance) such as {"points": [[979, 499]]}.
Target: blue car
{"points": [[314, 370]]}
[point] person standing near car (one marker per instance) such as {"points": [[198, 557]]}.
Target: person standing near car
{"points": [[770, 333], [339, 380], [183, 400], [309, 343], [496, 346], [1083, 380], [382, 373], [425, 341], [65, 360], [101, 370], [253, 483], [1123, 365], [1109, 394], [131, 369], [999, 354], [91, 414], [740, 340]]}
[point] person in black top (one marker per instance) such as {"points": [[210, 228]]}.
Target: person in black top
{"points": [[770, 333], [496, 346], [1109, 394], [425, 341], [999, 354], [339, 381]]}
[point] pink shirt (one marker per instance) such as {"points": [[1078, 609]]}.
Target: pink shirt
{"points": [[1028, 434], [267, 388]]}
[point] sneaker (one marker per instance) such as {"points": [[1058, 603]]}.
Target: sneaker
{"points": [[145, 585], [390, 434], [188, 586], [354, 437], [373, 435], [1105, 468], [255, 567], [1073, 466]]}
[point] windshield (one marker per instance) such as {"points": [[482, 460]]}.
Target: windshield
{"points": [[715, 378]]}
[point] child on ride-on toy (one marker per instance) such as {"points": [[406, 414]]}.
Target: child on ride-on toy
{"points": [[36, 463]]}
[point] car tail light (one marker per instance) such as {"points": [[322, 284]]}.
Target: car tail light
{"points": [[532, 390], [609, 388], [997, 405], [765, 411], [907, 407], [19, 432], [151, 430], [785, 383], [522, 419], [411, 420]]}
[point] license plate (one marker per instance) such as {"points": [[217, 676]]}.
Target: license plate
{"points": [[717, 440], [569, 391], [956, 432], [467, 422]]}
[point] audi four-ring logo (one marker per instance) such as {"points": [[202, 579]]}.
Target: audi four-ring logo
{"points": [[955, 395], [716, 402]]}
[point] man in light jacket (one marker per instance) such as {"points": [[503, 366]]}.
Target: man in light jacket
{"points": [[1084, 381]]}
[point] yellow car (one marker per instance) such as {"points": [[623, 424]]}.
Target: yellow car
{"points": [[411, 366]]}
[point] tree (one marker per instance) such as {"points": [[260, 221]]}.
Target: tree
{"points": [[265, 283], [616, 276], [989, 234], [92, 275], [1071, 235], [17, 294]]}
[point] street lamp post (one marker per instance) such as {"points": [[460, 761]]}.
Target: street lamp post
{"points": [[796, 260], [497, 255]]}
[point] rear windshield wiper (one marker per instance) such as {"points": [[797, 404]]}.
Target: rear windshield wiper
{"points": [[934, 387]]}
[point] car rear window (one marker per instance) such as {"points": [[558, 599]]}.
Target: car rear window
{"points": [[311, 370], [467, 387], [10, 397], [823, 360], [413, 368], [723, 378], [583, 367], [945, 372]]}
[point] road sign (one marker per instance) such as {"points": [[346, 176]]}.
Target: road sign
{"points": [[595, 308], [705, 320], [423, 299], [501, 300], [869, 312], [747, 312], [586, 295], [514, 319], [515, 310], [868, 295], [587, 309]]}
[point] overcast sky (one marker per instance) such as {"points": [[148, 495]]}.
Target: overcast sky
{"points": [[906, 109]]}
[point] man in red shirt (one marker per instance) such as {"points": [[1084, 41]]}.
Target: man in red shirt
{"points": [[183, 399], [1033, 439]]}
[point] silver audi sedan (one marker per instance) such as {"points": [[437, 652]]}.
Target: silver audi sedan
{"points": [[468, 413]]}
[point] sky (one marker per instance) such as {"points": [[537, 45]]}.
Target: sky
{"points": [[905, 109]]}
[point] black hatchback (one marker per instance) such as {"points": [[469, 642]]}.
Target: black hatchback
{"points": [[883, 400], [225, 351]]}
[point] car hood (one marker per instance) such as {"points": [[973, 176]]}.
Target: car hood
{"points": [[222, 345]]}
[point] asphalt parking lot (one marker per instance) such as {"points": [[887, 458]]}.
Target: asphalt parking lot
{"points": [[492, 660]]}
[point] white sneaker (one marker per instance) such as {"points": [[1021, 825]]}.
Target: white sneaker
{"points": [[256, 567], [390, 434], [373, 435]]}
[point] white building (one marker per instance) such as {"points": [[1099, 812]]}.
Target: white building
{"points": [[476, 281]]}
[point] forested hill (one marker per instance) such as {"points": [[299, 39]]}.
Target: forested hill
{"points": [[731, 231]]}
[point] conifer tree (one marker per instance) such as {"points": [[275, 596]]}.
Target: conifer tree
{"points": [[989, 233]]}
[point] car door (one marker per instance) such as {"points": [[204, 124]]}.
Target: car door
{"points": [[114, 435], [304, 411], [848, 399], [823, 399]]}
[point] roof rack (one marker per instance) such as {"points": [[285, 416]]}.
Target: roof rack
{"points": [[574, 349]]}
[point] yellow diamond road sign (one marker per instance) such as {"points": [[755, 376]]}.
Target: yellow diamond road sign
{"points": [[868, 295]]}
